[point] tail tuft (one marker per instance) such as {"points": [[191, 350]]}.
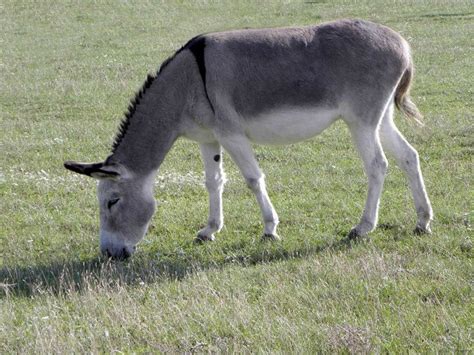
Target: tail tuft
{"points": [[402, 97]]}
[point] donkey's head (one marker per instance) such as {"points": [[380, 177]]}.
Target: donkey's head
{"points": [[126, 205]]}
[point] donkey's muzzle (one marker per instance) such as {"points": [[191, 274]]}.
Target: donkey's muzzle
{"points": [[118, 254]]}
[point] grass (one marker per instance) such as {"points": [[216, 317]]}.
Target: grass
{"points": [[68, 71]]}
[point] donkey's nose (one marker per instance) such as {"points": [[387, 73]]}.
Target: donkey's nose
{"points": [[125, 254], [119, 253]]}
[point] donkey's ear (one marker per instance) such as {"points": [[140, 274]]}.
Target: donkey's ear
{"points": [[95, 170]]}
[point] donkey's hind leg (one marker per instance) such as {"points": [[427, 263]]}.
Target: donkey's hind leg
{"points": [[242, 154], [368, 144], [215, 179], [407, 159]]}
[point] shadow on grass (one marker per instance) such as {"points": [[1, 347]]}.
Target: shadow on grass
{"points": [[62, 278]]}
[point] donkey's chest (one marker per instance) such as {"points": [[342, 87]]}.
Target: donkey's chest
{"points": [[286, 126]]}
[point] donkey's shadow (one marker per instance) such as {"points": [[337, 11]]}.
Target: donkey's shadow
{"points": [[64, 277]]}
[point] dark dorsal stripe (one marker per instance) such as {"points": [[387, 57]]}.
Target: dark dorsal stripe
{"points": [[196, 45]]}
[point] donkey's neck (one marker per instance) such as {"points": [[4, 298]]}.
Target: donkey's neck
{"points": [[145, 144], [152, 123]]}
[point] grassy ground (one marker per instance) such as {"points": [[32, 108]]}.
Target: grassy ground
{"points": [[67, 73]]}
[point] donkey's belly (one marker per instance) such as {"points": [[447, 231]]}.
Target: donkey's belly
{"points": [[287, 126]]}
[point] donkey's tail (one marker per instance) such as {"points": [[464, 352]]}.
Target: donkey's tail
{"points": [[402, 96]]}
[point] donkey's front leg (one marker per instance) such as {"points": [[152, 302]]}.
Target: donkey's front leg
{"points": [[242, 154], [215, 179]]}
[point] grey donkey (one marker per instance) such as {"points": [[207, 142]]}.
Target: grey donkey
{"points": [[267, 86]]}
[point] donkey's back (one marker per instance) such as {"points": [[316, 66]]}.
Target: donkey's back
{"points": [[343, 66]]}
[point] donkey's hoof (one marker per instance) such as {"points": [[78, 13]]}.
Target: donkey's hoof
{"points": [[271, 237], [354, 234], [204, 238], [420, 230]]}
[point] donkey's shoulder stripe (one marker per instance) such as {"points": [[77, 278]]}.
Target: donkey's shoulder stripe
{"points": [[197, 46]]}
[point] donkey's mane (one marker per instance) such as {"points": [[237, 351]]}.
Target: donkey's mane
{"points": [[125, 123], [132, 107]]}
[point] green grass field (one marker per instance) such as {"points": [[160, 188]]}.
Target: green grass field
{"points": [[68, 70]]}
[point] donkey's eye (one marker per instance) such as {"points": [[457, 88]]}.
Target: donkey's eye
{"points": [[112, 202]]}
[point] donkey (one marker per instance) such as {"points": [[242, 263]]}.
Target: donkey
{"points": [[267, 86]]}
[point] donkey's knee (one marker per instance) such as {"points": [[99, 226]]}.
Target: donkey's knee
{"points": [[215, 183], [378, 168], [382, 163], [255, 184]]}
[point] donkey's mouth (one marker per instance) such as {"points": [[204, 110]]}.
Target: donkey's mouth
{"points": [[118, 253]]}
